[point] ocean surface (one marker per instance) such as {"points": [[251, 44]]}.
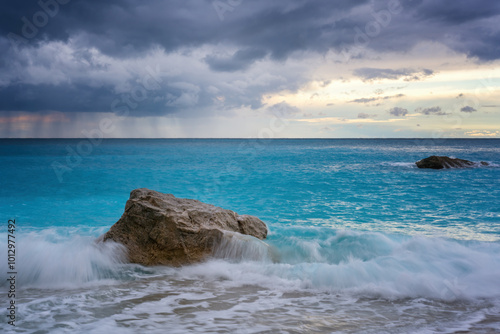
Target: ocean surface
{"points": [[361, 241]]}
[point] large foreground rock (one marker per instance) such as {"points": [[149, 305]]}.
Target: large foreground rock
{"points": [[160, 229], [440, 162]]}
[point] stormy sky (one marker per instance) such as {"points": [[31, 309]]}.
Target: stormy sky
{"points": [[250, 68]]}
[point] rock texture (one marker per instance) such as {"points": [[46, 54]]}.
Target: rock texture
{"points": [[440, 162], [160, 229]]}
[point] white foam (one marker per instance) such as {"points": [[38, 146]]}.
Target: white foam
{"points": [[360, 262], [342, 280], [238, 247], [401, 164], [413, 267], [48, 259]]}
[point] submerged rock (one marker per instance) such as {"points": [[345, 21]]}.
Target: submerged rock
{"points": [[160, 229], [440, 162]]}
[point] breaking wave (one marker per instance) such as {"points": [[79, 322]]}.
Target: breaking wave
{"points": [[365, 263]]}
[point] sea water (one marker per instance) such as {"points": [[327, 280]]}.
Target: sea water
{"points": [[360, 240]]}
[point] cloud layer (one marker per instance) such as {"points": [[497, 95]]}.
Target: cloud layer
{"points": [[191, 58]]}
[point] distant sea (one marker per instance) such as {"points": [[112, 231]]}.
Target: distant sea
{"points": [[361, 240]]}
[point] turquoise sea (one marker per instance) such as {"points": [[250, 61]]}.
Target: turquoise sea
{"points": [[361, 240]]}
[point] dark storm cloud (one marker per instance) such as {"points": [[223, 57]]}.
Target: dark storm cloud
{"points": [[253, 30], [368, 74], [465, 26], [124, 28], [458, 11], [241, 60], [82, 98], [43, 97]]}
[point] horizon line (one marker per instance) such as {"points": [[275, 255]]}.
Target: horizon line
{"points": [[237, 138]]}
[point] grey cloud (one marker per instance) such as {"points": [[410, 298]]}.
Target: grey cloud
{"points": [[283, 109], [365, 100], [241, 60], [366, 116], [393, 96], [398, 111], [464, 26], [457, 12], [187, 95], [325, 83], [372, 99], [369, 74], [468, 109], [432, 111]]}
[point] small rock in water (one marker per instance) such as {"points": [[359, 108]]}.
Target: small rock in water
{"points": [[440, 162], [160, 229]]}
